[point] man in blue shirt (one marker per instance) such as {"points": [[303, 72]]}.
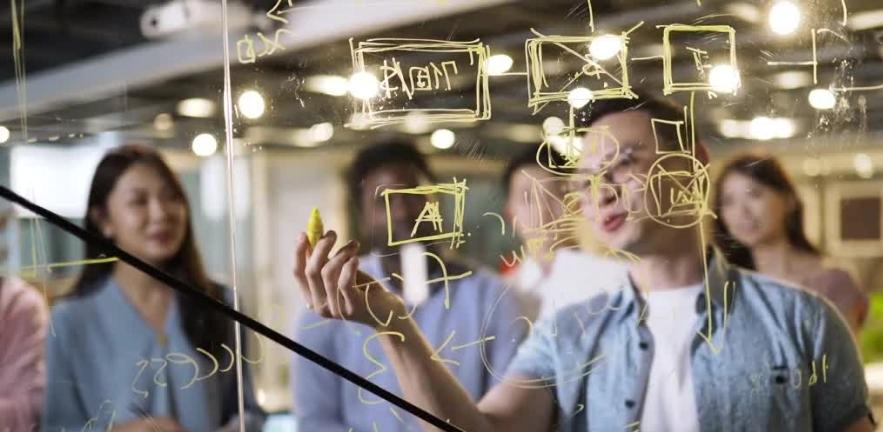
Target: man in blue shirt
{"points": [[464, 314], [689, 343]]}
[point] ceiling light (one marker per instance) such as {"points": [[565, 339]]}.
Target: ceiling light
{"points": [[553, 126], [812, 167], [761, 128], [863, 165], [416, 123], [790, 80], [204, 144], [822, 99], [579, 97], [251, 104], [364, 85], [443, 139], [783, 127], [163, 122], [784, 17], [321, 132], [605, 47], [332, 85], [196, 107], [498, 64], [4, 134], [724, 78]]}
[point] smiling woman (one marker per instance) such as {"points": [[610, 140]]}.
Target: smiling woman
{"points": [[118, 322], [760, 227]]}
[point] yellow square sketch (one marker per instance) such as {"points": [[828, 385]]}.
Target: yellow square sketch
{"points": [[405, 81], [573, 144], [678, 125], [542, 93], [670, 86], [431, 213]]}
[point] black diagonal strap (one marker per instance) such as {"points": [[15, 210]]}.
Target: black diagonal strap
{"points": [[112, 250]]}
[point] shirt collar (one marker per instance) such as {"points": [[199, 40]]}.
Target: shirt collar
{"points": [[721, 280]]}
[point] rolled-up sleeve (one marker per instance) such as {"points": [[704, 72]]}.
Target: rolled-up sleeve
{"points": [[535, 359]]}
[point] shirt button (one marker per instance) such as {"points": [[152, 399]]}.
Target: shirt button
{"points": [[643, 345], [629, 403]]}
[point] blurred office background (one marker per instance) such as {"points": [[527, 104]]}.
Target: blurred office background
{"points": [[80, 76]]}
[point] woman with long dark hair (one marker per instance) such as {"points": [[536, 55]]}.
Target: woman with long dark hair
{"points": [[760, 227], [128, 353]]}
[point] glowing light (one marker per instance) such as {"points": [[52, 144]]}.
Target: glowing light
{"points": [[863, 165], [822, 99], [4, 134], [724, 78], [364, 85], [196, 107], [784, 17], [579, 97], [204, 145], [761, 128], [251, 104], [553, 126], [605, 47], [443, 139], [321, 132], [812, 167], [163, 122], [332, 85], [498, 64]]}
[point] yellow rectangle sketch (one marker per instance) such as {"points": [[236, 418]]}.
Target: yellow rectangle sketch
{"points": [[431, 213], [443, 68], [678, 125], [592, 74], [699, 56]]}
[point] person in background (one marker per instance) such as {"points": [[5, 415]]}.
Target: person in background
{"points": [[688, 343], [468, 319], [760, 227], [554, 271], [129, 353], [22, 335]]}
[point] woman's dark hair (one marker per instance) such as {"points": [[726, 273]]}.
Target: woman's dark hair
{"points": [[766, 170], [204, 328]]}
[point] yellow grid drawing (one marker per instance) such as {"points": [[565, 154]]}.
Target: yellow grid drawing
{"points": [[539, 92], [372, 111]]}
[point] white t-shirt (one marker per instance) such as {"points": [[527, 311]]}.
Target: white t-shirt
{"points": [[573, 277], [670, 403]]}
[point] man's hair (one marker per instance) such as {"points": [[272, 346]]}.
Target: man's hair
{"points": [[528, 157], [658, 108], [385, 153]]}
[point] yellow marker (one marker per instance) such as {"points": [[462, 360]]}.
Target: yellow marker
{"points": [[315, 230]]}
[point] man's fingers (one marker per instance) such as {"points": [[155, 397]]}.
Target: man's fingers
{"points": [[315, 263], [330, 273], [347, 282], [301, 250]]}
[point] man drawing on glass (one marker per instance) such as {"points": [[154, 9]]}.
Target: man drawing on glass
{"points": [[451, 316], [688, 343]]}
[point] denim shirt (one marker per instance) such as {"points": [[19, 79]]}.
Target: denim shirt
{"points": [[766, 356]]}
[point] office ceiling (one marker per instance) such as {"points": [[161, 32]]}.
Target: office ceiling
{"points": [[72, 48]]}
